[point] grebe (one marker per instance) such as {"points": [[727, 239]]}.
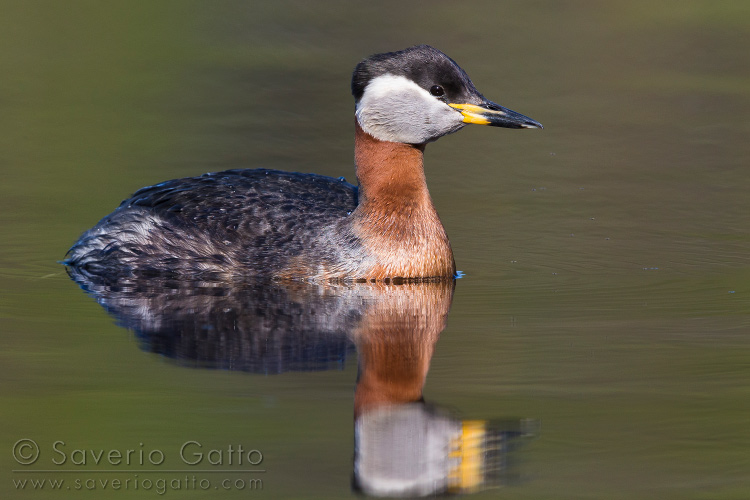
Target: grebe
{"points": [[281, 225]]}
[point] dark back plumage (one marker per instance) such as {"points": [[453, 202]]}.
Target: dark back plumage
{"points": [[211, 224]]}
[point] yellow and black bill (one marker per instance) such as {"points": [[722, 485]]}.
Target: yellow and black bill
{"points": [[494, 115]]}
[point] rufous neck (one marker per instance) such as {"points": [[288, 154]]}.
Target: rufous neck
{"points": [[389, 172], [395, 219]]}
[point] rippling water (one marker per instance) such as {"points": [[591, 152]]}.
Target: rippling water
{"points": [[596, 347]]}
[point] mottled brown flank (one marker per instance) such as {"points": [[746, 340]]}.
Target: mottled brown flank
{"points": [[278, 224]]}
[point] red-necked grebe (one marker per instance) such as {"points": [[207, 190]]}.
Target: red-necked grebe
{"points": [[283, 225]]}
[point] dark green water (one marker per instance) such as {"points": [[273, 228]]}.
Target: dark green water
{"points": [[606, 258]]}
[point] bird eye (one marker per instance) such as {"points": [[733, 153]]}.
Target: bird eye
{"points": [[437, 91]]}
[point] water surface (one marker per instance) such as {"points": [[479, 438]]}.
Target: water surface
{"points": [[606, 258]]}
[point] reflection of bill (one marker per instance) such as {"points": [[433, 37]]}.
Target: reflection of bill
{"points": [[417, 450], [403, 447]]}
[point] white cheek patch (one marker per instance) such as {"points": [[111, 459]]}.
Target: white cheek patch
{"points": [[395, 109]]}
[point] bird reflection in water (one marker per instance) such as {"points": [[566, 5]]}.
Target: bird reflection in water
{"points": [[403, 446]]}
